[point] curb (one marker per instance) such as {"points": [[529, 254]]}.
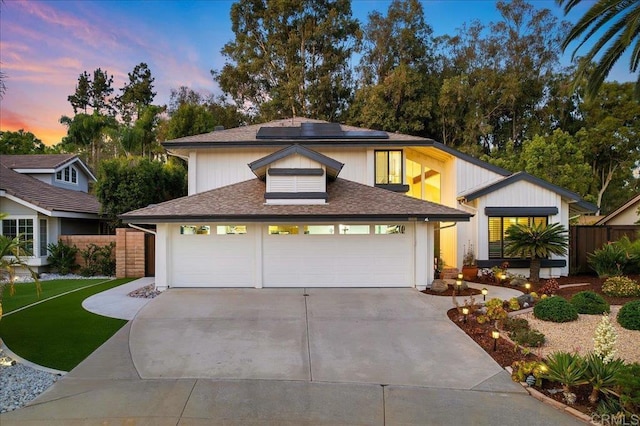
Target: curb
{"points": [[28, 363], [552, 402]]}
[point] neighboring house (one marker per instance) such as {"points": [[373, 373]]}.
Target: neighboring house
{"points": [[306, 203], [626, 214], [46, 196]]}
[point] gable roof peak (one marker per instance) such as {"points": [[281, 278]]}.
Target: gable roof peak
{"points": [[259, 167]]}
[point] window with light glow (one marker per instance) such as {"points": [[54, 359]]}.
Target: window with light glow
{"points": [[354, 229], [283, 230], [319, 229], [497, 232], [195, 230], [388, 166], [389, 229], [231, 229]]}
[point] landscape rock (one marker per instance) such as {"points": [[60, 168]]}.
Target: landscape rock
{"points": [[518, 282], [439, 286], [525, 299]]}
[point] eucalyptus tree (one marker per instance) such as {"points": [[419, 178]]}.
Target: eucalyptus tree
{"points": [[290, 58], [613, 27]]}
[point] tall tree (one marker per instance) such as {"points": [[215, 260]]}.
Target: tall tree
{"points": [[617, 24], [290, 58], [21, 142], [137, 93], [80, 99], [101, 91], [86, 135], [397, 72]]}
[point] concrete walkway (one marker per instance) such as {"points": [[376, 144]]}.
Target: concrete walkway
{"points": [[115, 303], [289, 356]]}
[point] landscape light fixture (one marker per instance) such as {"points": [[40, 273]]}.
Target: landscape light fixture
{"points": [[484, 294], [460, 276], [527, 286], [465, 312], [503, 276], [495, 334], [459, 286]]}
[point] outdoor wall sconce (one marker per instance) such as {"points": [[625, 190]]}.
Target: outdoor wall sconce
{"points": [[495, 334], [465, 312], [484, 294]]}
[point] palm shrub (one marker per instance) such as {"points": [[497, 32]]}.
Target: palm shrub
{"points": [[565, 368], [555, 309], [537, 241], [621, 287], [628, 379], [609, 261], [629, 315], [11, 252], [601, 375], [589, 302], [62, 257]]}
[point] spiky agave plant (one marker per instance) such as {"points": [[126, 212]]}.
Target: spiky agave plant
{"points": [[566, 368], [601, 375]]}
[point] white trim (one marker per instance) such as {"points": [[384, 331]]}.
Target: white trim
{"points": [[50, 213], [30, 171], [139, 228]]}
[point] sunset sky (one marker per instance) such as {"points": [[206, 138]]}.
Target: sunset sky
{"points": [[45, 45]]}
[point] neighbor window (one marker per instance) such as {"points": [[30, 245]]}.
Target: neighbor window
{"points": [[43, 237], [68, 174], [388, 165], [498, 227], [195, 229], [231, 229], [11, 228], [283, 230]]}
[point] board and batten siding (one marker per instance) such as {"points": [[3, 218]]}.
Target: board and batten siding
{"points": [[521, 194], [222, 167]]}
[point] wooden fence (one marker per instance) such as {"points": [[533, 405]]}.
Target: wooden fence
{"points": [[585, 239]]}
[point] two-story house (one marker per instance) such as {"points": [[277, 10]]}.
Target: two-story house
{"points": [[45, 196], [306, 203]]}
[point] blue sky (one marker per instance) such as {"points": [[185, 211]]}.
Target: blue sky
{"points": [[45, 45]]}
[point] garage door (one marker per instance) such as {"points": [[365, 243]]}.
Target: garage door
{"points": [[213, 256], [345, 256]]}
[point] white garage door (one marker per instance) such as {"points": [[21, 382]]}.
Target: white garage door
{"points": [[209, 259], [342, 259]]}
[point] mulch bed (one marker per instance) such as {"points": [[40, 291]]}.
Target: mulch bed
{"points": [[451, 290]]}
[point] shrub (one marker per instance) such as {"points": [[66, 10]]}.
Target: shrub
{"points": [[629, 315], [621, 287], [565, 368], [98, 260], [628, 379], [528, 338], [482, 319], [495, 310], [515, 324], [534, 295], [514, 305], [609, 261], [555, 309], [62, 257], [550, 287], [523, 369], [589, 302], [601, 375]]}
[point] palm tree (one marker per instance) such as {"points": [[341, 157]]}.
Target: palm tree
{"points": [[11, 250], [536, 242], [620, 21]]}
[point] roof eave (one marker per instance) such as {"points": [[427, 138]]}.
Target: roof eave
{"points": [[292, 217]]}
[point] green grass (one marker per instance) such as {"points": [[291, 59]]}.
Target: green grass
{"points": [[26, 294], [59, 333]]}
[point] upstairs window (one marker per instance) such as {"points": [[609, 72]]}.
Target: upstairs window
{"points": [[69, 174], [388, 165], [498, 227]]}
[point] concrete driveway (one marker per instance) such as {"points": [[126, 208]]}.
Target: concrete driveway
{"points": [[289, 357]]}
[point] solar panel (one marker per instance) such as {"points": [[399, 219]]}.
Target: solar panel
{"points": [[318, 131]]}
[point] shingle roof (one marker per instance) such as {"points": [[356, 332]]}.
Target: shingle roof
{"points": [[46, 196], [35, 161], [248, 133], [245, 201]]}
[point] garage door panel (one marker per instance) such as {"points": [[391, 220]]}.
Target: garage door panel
{"points": [[213, 261], [338, 260]]}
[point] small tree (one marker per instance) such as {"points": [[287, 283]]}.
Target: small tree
{"points": [[537, 241]]}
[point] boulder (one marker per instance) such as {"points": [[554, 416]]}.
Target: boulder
{"points": [[439, 286], [518, 282], [525, 298]]}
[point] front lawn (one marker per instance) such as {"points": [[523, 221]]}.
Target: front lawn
{"points": [[59, 333], [26, 293]]}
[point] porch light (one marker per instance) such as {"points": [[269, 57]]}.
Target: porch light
{"points": [[459, 286], [484, 294], [527, 286], [495, 334], [465, 312], [460, 276]]}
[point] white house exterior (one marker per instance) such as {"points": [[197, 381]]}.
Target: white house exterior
{"points": [[301, 202], [45, 196]]}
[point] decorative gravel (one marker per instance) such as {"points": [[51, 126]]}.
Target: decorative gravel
{"points": [[146, 292], [20, 384], [49, 277], [578, 335]]}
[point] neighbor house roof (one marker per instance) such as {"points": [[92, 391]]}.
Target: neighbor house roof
{"points": [[575, 199], [42, 163], [632, 203], [43, 197], [245, 201]]}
